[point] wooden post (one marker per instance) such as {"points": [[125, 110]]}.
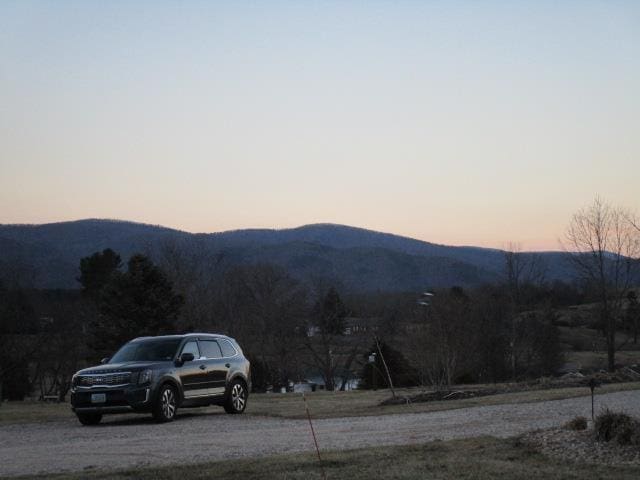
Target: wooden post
{"points": [[386, 369]]}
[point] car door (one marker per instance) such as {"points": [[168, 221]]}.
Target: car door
{"points": [[193, 374], [217, 367]]}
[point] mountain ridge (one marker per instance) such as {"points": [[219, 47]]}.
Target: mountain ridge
{"points": [[360, 259], [256, 230]]}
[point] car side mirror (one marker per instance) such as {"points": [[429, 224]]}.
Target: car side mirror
{"points": [[104, 360], [185, 357]]}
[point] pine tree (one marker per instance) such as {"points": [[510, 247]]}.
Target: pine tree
{"points": [[136, 303]]}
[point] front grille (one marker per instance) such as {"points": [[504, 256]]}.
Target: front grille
{"points": [[105, 379]]}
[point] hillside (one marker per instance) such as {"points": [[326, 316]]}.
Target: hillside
{"points": [[358, 259]]}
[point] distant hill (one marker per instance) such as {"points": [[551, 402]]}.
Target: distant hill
{"points": [[356, 258]]}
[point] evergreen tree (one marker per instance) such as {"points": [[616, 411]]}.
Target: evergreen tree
{"points": [[328, 316], [330, 313], [136, 303], [18, 324], [96, 271]]}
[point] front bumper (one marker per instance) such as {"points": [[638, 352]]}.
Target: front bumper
{"points": [[116, 400]]}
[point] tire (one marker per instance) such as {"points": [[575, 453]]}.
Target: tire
{"points": [[236, 398], [166, 405], [89, 418]]}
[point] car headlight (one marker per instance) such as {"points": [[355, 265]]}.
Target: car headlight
{"points": [[74, 380], [145, 376]]}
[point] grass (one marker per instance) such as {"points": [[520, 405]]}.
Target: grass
{"points": [[33, 412], [477, 458], [324, 404], [365, 403], [598, 360]]}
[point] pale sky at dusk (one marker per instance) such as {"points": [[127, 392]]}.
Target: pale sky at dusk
{"points": [[474, 123]]}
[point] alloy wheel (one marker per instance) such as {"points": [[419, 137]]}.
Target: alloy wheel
{"points": [[168, 403], [238, 397]]}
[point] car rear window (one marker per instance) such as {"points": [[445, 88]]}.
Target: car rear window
{"points": [[210, 349], [227, 348]]}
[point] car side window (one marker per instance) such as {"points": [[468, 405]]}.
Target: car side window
{"points": [[227, 348], [210, 349], [191, 347]]}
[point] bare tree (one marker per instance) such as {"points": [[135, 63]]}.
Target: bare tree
{"points": [[265, 308], [414, 342], [61, 336], [195, 270], [19, 340], [632, 315], [331, 352], [520, 270], [438, 344], [451, 315], [603, 246], [633, 219]]}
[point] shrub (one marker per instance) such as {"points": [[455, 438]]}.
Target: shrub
{"points": [[402, 373], [577, 423], [15, 385], [617, 426]]}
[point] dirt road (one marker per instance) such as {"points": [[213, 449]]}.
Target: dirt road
{"points": [[137, 441]]}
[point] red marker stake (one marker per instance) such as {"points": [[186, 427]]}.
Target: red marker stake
{"points": [[313, 434]]}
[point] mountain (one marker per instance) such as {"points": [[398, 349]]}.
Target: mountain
{"points": [[356, 258]]}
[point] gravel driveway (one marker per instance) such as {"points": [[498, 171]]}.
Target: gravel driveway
{"points": [[137, 441]]}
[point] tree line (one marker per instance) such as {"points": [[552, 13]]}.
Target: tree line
{"points": [[292, 329]]}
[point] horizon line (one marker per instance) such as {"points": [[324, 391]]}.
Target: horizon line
{"points": [[272, 229]]}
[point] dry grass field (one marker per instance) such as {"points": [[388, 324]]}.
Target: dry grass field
{"points": [[360, 403], [598, 360], [477, 458], [324, 404]]}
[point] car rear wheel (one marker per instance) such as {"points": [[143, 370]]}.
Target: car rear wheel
{"points": [[237, 395], [89, 418], [166, 405]]}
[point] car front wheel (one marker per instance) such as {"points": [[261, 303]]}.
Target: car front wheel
{"points": [[236, 400], [89, 418], [166, 405]]}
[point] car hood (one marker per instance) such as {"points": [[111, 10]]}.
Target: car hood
{"points": [[119, 367]]}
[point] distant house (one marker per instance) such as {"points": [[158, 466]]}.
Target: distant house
{"points": [[312, 331], [361, 325], [353, 326], [315, 383], [305, 386]]}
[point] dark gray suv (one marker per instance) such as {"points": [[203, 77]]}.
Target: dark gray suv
{"points": [[159, 374]]}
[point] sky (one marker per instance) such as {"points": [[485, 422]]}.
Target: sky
{"points": [[463, 123]]}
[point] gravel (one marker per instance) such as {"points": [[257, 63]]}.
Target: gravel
{"points": [[138, 442]]}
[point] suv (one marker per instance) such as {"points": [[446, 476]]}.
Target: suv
{"points": [[159, 374]]}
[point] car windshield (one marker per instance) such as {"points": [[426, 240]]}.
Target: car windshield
{"points": [[152, 350]]}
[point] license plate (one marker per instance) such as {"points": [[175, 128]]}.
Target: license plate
{"points": [[98, 397]]}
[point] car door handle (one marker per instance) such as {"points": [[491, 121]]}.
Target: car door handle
{"points": [[227, 365], [202, 367]]}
